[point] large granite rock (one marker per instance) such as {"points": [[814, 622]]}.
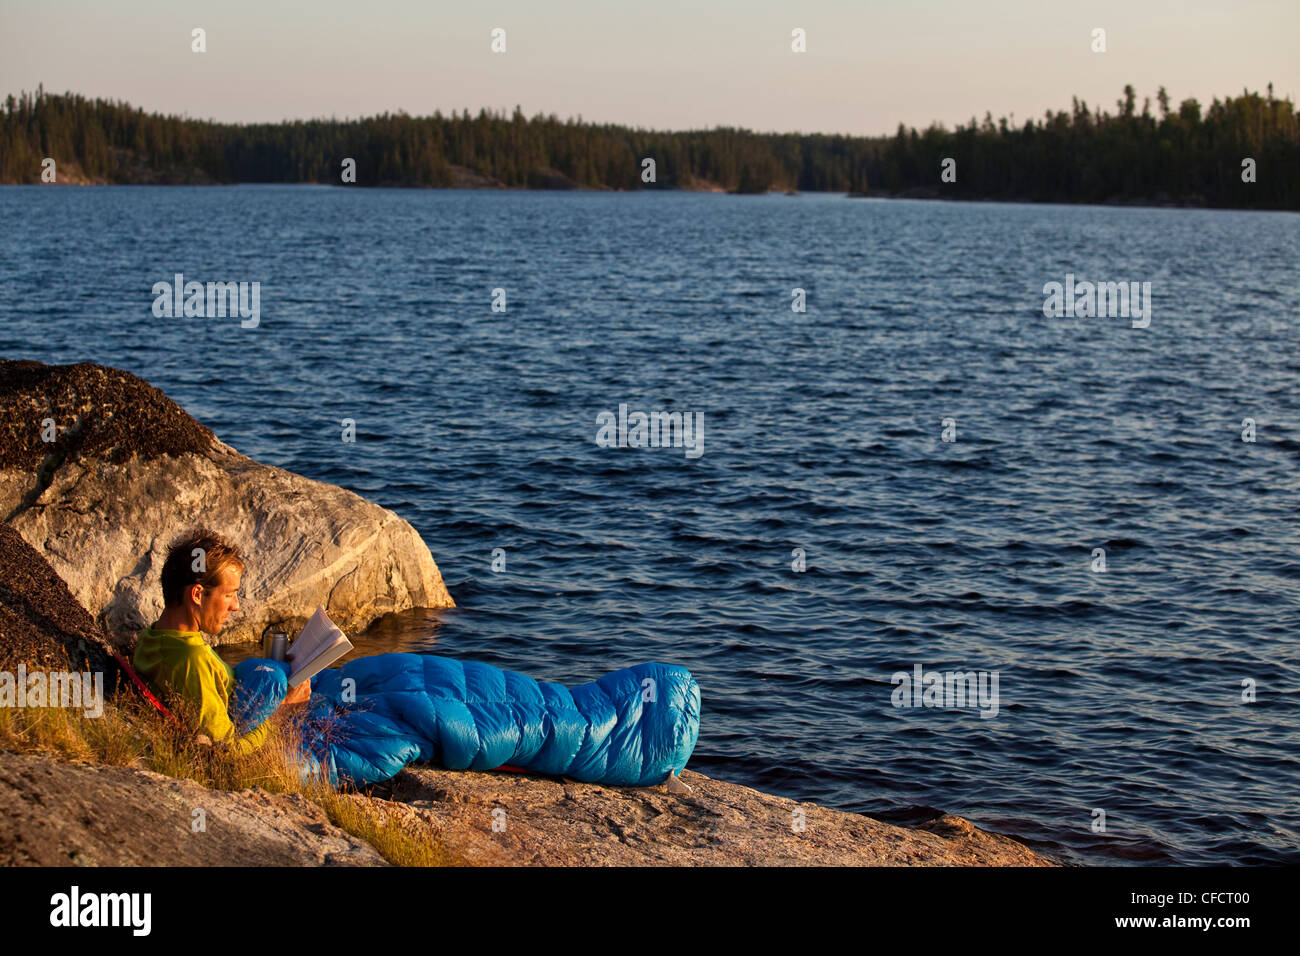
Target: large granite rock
{"points": [[130, 471]]}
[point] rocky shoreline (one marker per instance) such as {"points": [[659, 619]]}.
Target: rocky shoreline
{"points": [[100, 470], [56, 814]]}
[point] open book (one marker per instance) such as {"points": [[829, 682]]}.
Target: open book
{"points": [[316, 647]]}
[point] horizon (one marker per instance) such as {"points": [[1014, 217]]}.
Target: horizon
{"points": [[863, 74]]}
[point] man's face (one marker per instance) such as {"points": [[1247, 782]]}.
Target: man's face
{"points": [[218, 603]]}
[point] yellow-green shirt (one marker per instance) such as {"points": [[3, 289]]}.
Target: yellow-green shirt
{"points": [[183, 663]]}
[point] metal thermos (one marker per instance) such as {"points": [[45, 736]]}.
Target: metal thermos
{"points": [[275, 645]]}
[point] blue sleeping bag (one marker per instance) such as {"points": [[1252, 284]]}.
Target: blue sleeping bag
{"points": [[260, 685], [371, 718]]}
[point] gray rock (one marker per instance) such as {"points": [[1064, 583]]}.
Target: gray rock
{"points": [[55, 813], [541, 821], [131, 471], [62, 814]]}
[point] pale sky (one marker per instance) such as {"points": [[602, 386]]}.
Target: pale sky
{"points": [[667, 65]]}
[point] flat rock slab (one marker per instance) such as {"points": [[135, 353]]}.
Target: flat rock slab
{"points": [[61, 814], [520, 819], [54, 813]]}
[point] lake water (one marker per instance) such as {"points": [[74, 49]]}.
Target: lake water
{"points": [[1118, 691]]}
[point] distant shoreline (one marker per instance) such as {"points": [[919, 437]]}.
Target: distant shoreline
{"points": [[912, 195], [1237, 153]]}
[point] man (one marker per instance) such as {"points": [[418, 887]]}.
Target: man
{"points": [[200, 583]]}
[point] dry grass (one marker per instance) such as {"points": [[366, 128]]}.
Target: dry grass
{"points": [[396, 841], [132, 733]]}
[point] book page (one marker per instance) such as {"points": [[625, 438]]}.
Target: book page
{"points": [[319, 644]]}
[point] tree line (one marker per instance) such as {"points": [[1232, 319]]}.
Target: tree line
{"points": [[1243, 152]]}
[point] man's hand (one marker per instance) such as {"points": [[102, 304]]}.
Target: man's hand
{"points": [[298, 695]]}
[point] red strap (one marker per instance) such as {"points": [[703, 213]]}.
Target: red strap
{"points": [[142, 687]]}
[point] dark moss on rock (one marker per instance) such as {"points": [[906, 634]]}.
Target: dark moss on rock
{"points": [[98, 412], [41, 623]]}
